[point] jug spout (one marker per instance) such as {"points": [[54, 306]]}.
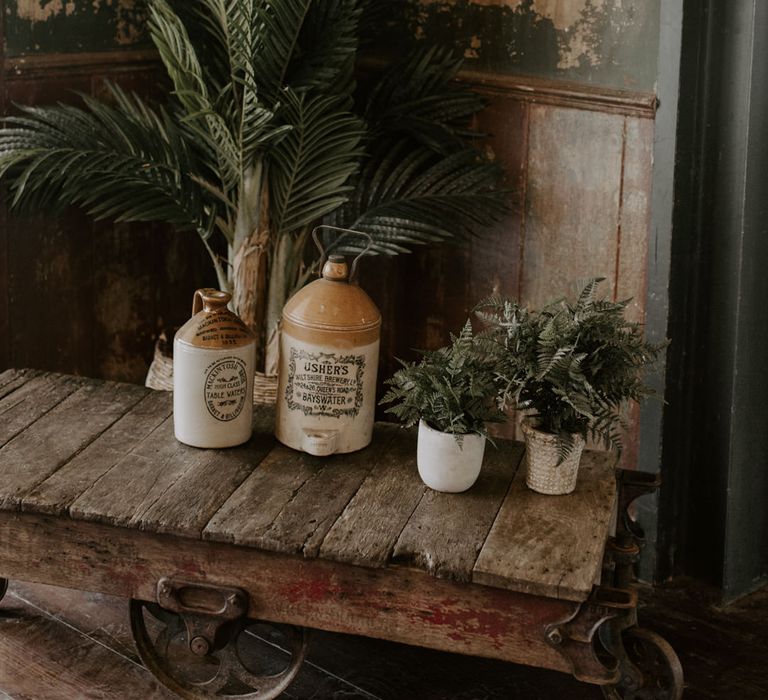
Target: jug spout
{"points": [[320, 443]]}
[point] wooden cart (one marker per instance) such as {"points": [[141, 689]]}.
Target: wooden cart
{"points": [[96, 494]]}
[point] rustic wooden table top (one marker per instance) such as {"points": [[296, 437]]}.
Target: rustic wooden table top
{"points": [[102, 451]]}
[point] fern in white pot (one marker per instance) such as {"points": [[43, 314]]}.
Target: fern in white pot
{"points": [[451, 393]]}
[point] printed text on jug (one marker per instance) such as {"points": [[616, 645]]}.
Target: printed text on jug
{"points": [[324, 384], [226, 387]]}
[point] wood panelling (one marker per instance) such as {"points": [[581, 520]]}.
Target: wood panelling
{"points": [[577, 159], [563, 94], [635, 216], [572, 201], [495, 256], [82, 296], [50, 292]]}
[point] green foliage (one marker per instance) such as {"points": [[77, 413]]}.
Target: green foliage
{"points": [[452, 389], [265, 131], [127, 162], [422, 181], [573, 365]]}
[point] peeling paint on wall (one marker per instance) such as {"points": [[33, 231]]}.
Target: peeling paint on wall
{"points": [[606, 42], [64, 26], [130, 22], [43, 9]]}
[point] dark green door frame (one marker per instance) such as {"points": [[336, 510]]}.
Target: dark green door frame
{"points": [[713, 510]]}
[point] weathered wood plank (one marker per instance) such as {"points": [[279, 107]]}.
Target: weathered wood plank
{"points": [[58, 491], [35, 398], [165, 485], [12, 379], [138, 479], [262, 496], [446, 531], [395, 603], [635, 216], [275, 510], [187, 505], [572, 208], [37, 452], [43, 658], [366, 532], [552, 545]]}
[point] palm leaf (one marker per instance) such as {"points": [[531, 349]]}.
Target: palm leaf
{"points": [[180, 58], [408, 195], [280, 23], [311, 166], [128, 163], [417, 96], [326, 48]]}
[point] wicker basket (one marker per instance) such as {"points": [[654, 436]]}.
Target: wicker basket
{"points": [[160, 376], [544, 474]]}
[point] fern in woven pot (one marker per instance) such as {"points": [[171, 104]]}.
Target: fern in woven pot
{"points": [[571, 367], [451, 393], [265, 134]]}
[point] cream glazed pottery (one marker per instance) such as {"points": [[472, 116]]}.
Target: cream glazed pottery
{"points": [[329, 355], [214, 356], [446, 463]]}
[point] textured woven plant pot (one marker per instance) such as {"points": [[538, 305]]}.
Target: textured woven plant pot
{"points": [[543, 473], [160, 376]]}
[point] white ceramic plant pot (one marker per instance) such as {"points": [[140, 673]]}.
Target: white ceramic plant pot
{"points": [[544, 474], [447, 464]]}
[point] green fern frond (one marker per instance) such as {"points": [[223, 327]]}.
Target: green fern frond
{"points": [[574, 365], [453, 389]]}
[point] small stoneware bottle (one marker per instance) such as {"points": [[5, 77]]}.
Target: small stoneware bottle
{"points": [[214, 355]]}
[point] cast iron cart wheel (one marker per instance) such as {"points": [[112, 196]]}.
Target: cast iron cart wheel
{"points": [[3, 587], [258, 661], [654, 672]]}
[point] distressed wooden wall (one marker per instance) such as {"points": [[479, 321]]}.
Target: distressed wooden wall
{"points": [[580, 162], [88, 298], [612, 43], [78, 296]]}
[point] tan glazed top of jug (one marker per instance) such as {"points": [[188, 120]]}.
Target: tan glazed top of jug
{"points": [[212, 324], [331, 303]]}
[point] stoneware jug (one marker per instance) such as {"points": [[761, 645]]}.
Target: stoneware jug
{"points": [[214, 355], [329, 355]]}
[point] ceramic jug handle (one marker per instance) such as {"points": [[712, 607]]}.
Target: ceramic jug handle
{"points": [[353, 269], [198, 301]]}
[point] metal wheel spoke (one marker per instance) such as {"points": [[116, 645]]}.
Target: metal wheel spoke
{"points": [[651, 670], [169, 659]]}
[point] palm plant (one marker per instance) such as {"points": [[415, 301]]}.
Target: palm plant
{"points": [[263, 136]]}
